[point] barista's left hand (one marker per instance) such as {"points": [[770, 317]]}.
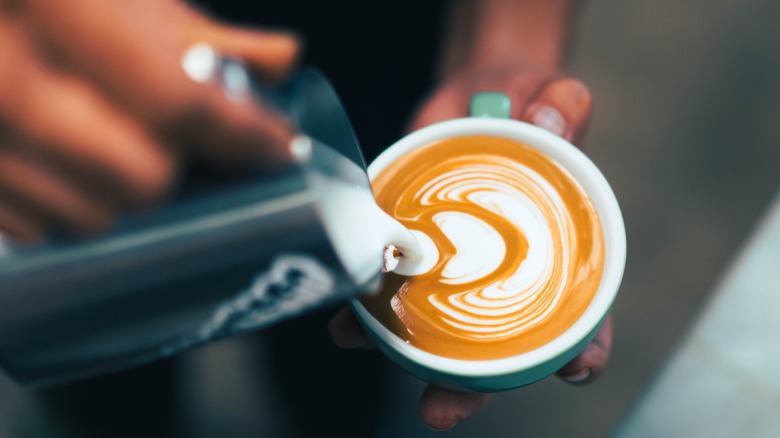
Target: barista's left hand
{"points": [[541, 96]]}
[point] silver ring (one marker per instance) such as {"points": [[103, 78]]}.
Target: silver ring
{"points": [[203, 64]]}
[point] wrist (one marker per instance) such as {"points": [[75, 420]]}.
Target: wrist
{"points": [[496, 34]]}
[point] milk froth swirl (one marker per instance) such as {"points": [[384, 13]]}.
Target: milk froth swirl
{"points": [[520, 248]]}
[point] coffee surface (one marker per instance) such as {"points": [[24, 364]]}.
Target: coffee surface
{"points": [[521, 249]]}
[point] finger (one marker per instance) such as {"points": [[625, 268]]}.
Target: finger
{"points": [[271, 55], [346, 331], [226, 133], [64, 124], [442, 409], [453, 100], [67, 125], [449, 103], [592, 362], [47, 199], [562, 107], [137, 62], [18, 227]]}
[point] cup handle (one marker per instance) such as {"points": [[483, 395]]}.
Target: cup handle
{"points": [[491, 104]]}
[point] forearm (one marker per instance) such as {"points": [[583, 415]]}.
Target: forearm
{"points": [[496, 33]]}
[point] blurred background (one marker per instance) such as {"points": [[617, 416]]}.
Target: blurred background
{"points": [[686, 130]]}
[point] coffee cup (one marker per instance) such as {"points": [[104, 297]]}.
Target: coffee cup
{"points": [[533, 274]]}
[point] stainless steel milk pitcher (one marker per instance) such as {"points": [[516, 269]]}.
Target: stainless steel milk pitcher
{"points": [[237, 258]]}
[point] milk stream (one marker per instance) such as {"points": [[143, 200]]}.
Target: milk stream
{"points": [[360, 231]]}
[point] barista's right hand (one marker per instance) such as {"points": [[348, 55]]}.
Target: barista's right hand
{"points": [[97, 116]]}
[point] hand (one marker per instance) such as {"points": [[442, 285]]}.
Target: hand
{"points": [[541, 96], [97, 116]]}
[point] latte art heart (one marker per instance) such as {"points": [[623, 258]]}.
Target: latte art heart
{"points": [[520, 248]]}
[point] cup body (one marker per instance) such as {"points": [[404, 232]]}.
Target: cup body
{"points": [[510, 372]]}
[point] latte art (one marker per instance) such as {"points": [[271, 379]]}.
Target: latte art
{"points": [[520, 248]]}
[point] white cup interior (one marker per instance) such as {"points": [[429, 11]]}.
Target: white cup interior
{"points": [[595, 186]]}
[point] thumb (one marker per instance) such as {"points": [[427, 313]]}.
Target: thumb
{"points": [[562, 107], [272, 55]]}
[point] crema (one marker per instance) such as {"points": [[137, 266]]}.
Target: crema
{"points": [[520, 248]]}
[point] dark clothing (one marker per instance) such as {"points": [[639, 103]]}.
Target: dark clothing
{"points": [[379, 56]]}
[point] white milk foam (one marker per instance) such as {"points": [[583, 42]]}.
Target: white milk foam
{"points": [[360, 230], [423, 260], [525, 199], [479, 247]]}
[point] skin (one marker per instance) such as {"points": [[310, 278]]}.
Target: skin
{"points": [[516, 47], [94, 127]]}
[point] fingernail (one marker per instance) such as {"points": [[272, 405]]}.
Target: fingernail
{"points": [[550, 119], [579, 377], [448, 426]]}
